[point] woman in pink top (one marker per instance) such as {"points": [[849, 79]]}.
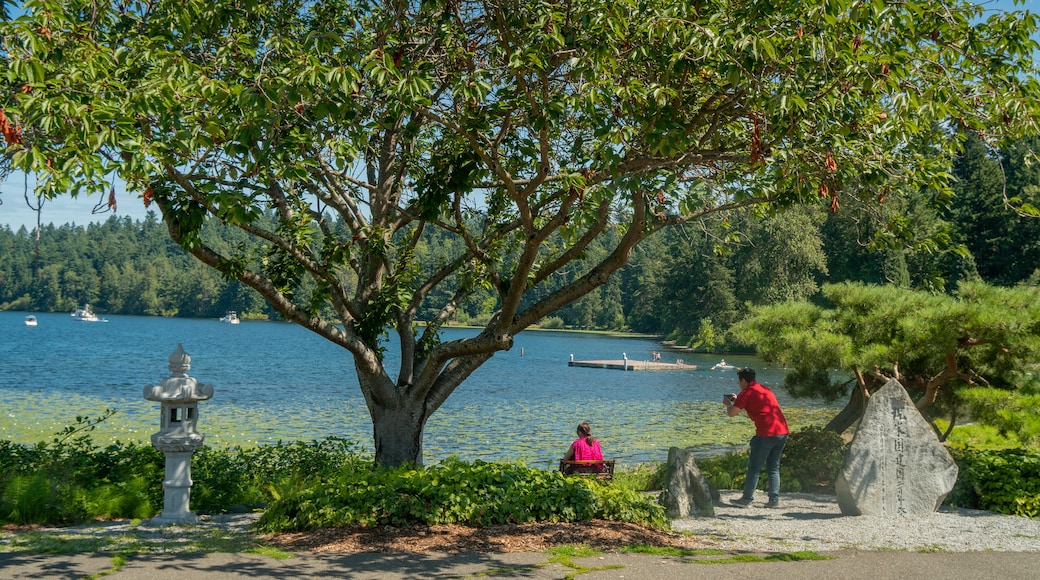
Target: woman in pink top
{"points": [[584, 448]]}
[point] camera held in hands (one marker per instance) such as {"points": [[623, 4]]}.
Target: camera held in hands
{"points": [[730, 398]]}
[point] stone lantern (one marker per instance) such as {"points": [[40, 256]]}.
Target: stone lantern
{"points": [[179, 397]]}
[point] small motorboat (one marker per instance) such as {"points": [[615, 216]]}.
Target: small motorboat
{"points": [[230, 318], [85, 314], [722, 365], [30, 320]]}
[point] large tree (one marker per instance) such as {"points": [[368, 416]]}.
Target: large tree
{"points": [[522, 129]]}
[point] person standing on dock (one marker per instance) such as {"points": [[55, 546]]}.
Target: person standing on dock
{"points": [[770, 435]]}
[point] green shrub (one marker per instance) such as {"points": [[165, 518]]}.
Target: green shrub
{"points": [[305, 485], [641, 477], [811, 461], [29, 499], [17, 458], [551, 323], [71, 480], [132, 498], [236, 477], [726, 471], [625, 505], [452, 492], [1003, 480], [222, 478]]}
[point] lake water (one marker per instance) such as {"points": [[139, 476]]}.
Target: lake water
{"points": [[276, 381]]}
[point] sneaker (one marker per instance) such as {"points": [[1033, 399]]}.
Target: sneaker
{"points": [[740, 502], [772, 504]]}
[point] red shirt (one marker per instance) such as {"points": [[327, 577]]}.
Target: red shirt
{"points": [[760, 404]]}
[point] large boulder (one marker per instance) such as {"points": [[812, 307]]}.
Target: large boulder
{"points": [[686, 492], [896, 464]]}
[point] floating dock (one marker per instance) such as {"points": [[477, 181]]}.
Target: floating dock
{"points": [[632, 365]]}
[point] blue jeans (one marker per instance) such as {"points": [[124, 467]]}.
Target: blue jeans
{"points": [[764, 451]]}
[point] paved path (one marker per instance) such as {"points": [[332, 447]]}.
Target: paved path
{"points": [[165, 553], [221, 566]]}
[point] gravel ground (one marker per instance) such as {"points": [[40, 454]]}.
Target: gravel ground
{"points": [[814, 522]]}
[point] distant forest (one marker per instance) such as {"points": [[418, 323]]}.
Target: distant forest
{"points": [[688, 284]]}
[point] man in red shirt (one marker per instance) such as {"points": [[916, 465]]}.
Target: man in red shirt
{"points": [[770, 435]]}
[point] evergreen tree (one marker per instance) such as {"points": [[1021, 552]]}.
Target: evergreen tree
{"points": [[780, 258], [698, 282], [1022, 168], [967, 355], [995, 208], [642, 282]]}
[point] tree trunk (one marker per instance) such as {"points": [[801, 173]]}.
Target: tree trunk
{"points": [[398, 414], [852, 412], [398, 433], [400, 410]]}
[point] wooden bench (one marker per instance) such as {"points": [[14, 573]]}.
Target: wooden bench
{"points": [[589, 468]]}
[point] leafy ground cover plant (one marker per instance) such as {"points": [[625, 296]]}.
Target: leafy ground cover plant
{"points": [[1000, 480], [452, 492]]}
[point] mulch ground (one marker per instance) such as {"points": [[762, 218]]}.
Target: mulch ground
{"points": [[537, 537]]}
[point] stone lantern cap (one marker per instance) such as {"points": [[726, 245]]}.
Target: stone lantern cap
{"points": [[178, 387]]}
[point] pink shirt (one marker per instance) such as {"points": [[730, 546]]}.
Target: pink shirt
{"points": [[583, 451]]}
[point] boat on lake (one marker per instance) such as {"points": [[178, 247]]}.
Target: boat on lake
{"points": [[230, 318], [722, 365], [85, 314], [30, 320]]}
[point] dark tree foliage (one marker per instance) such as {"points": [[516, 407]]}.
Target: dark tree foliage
{"points": [[1004, 243], [118, 266]]}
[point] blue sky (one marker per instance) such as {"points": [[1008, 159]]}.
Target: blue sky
{"points": [[14, 212]]}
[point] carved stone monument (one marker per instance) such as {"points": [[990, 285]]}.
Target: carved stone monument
{"points": [[179, 397], [687, 492], [896, 465]]}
